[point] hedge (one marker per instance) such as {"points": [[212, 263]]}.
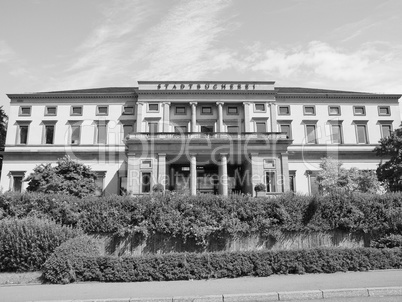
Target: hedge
{"points": [[230, 265], [198, 217], [26, 243]]}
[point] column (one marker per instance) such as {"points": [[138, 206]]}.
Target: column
{"points": [[133, 174], [285, 171], [272, 115], [193, 116], [139, 117], [162, 177], [220, 116], [223, 175], [166, 117], [193, 175], [247, 116]]}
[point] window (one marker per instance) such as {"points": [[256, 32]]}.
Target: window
{"points": [[101, 135], [260, 107], [128, 110], [181, 110], [292, 181], [311, 134], [386, 128], [284, 110], [146, 164], [286, 128], [334, 110], [127, 129], [146, 182], [25, 110], [49, 134], [50, 110], [22, 134], [153, 127], [207, 129], [206, 110], [384, 110], [359, 110], [336, 134], [261, 127], [75, 134], [153, 107], [233, 110], [76, 110], [361, 134], [16, 180], [270, 181], [269, 163], [180, 129], [102, 110], [233, 129], [309, 110]]}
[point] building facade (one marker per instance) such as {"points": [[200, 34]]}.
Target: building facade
{"points": [[201, 137]]}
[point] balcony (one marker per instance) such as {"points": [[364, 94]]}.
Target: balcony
{"points": [[210, 136]]}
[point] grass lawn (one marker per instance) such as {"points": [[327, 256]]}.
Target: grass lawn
{"points": [[20, 278]]}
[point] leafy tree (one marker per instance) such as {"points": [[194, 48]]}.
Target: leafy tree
{"points": [[390, 172], [333, 177], [67, 177], [3, 131]]}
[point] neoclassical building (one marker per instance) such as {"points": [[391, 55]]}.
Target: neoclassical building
{"points": [[201, 137]]}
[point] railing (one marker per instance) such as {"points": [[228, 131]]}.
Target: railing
{"points": [[212, 135]]}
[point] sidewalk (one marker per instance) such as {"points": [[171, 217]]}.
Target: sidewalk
{"points": [[240, 289]]}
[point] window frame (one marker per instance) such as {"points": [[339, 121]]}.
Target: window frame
{"points": [[14, 175], [45, 138], [21, 108], [98, 113], [357, 125], [180, 113], [309, 106], [384, 107], [271, 186], [232, 107], [148, 185], [359, 114], [76, 114], [284, 106], [125, 112], [260, 104], [18, 136], [149, 109], [340, 142], [315, 133], [206, 113], [47, 111], [334, 114], [99, 125], [260, 122]]}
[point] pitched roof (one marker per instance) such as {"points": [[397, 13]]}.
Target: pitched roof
{"points": [[97, 90], [313, 90]]}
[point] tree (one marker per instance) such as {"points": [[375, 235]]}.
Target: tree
{"points": [[3, 131], [333, 177], [390, 172], [67, 177]]}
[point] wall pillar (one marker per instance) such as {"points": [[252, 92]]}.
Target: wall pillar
{"points": [[220, 116], [162, 177], [133, 174], [193, 175], [285, 172], [139, 117], [247, 116], [193, 116], [272, 115], [223, 175], [166, 117]]}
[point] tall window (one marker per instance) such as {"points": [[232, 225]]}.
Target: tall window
{"points": [[386, 130], [261, 127], [287, 129], [292, 181], [270, 181], [23, 134], [101, 135], [361, 133], [336, 134], [16, 180], [49, 134], [311, 134], [127, 129], [153, 127], [146, 182], [75, 134]]}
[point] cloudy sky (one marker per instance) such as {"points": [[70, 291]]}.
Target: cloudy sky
{"points": [[337, 44]]}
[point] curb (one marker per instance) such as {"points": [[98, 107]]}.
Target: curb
{"points": [[272, 296]]}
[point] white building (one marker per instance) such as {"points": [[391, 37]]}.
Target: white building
{"points": [[217, 137]]}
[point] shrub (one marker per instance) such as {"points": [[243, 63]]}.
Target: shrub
{"points": [[232, 264], [158, 188], [67, 258], [389, 241], [260, 187], [26, 243]]}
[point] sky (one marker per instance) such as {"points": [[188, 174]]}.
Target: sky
{"points": [[48, 45]]}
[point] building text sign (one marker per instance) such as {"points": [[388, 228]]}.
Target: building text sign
{"points": [[206, 86]]}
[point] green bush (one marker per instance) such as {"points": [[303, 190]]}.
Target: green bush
{"points": [[26, 243], [389, 241], [60, 267], [230, 265]]}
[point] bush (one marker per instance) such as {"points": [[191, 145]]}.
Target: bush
{"points": [[389, 241], [230, 265], [26, 243], [67, 258]]}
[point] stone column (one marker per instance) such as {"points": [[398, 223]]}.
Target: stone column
{"points": [[139, 117], [220, 116], [223, 175], [193, 175], [162, 177], [166, 117], [272, 115], [193, 116], [133, 174], [285, 171], [247, 116]]}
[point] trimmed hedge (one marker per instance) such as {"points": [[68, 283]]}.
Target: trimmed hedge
{"points": [[199, 217], [61, 265], [26, 243], [230, 265]]}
